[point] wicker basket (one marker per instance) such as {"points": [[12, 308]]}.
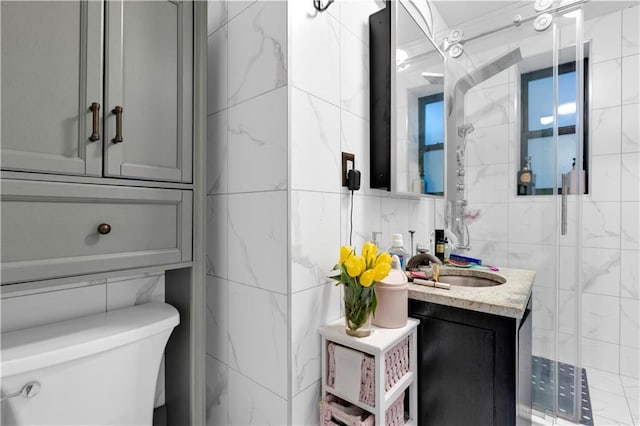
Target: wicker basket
{"points": [[396, 366], [335, 411]]}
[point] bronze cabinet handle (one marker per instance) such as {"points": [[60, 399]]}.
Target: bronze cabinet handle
{"points": [[118, 112], [95, 134], [104, 228]]}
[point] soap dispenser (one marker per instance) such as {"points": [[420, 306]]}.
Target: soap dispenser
{"points": [[392, 294]]}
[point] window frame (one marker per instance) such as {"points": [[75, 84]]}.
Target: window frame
{"points": [[422, 147], [526, 135]]}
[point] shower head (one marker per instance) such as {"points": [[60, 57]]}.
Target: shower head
{"points": [[433, 77], [465, 129]]}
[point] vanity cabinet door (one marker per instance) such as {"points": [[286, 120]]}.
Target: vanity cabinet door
{"points": [[51, 75], [149, 47]]}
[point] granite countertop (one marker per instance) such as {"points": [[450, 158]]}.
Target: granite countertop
{"points": [[508, 299]]}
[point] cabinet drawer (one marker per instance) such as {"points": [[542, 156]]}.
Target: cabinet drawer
{"points": [[50, 229]]}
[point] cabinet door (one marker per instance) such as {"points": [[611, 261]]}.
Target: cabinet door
{"points": [[51, 74], [149, 47]]}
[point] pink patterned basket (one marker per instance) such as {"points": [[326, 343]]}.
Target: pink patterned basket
{"points": [[396, 366], [335, 411]]}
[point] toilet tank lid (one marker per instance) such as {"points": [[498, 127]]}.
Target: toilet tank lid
{"points": [[46, 345]]}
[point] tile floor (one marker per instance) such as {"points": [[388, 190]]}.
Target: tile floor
{"points": [[615, 400]]}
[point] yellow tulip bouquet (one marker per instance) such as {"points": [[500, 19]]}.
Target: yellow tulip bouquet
{"points": [[358, 274]]}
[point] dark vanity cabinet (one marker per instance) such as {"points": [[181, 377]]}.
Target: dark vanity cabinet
{"points": [[474, 368]]}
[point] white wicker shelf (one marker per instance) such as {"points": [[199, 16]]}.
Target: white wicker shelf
{"points": [[378, 344]]}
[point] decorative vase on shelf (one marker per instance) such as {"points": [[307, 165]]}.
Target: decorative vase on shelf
{"points": [[358, 307], [358, 274]]}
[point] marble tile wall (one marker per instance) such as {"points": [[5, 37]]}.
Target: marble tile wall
{"points": [[523, 228], [247, 214], [277, 214]]}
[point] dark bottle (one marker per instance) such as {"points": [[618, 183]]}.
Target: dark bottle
{"points": [[440, 244], [526, 179]]}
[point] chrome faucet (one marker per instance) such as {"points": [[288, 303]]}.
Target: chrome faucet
{"points": [[418, 259]]}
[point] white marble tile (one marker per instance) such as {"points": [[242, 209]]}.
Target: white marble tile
{"points": [[532, 223], [605, 127], [217, 72], [601, 318], [420, 222], [257, 50], [394, 220], [217, 153], [630, 128], [630, 225], [258, 143], [491, 252], [544, 306], [354, 16], [235, 7], [217, 235], [631, 388], [609, 405], [310, 309], [629, 323], [440, 208], [542, 343], [630, 72], [536, 257], [354, 75], [217, 317], [630, 274], [305, 406], [600, 355], [252, 404], [630, 177], [258, 336], [568, 267], [488, 146], [217, 392], [486, 184], [630, 361], [124, 294], [630, 33], [605, 178], [216, 15], [605, 380], [257, 246], [51, 306], [606, 84], [354, 137], [601, 271], [488, 107], [567, 316], [605, 35], [314, 41], [315, 143], [315, 237], [601, 224], [568, 348], [492, 223], [366, 219]]}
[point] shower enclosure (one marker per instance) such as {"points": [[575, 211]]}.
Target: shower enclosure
{"points": [[517, 103]]}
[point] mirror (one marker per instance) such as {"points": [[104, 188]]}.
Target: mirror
{"points": [[407, 127], [417, 121]]}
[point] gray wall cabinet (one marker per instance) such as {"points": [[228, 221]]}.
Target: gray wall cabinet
{"points": [[59, 58]]}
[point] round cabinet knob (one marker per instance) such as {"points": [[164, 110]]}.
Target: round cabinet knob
{"points": [[104, 228]]}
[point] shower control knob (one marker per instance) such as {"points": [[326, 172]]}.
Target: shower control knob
{"points": [[460, 187], [104, 228], [460, 172]]}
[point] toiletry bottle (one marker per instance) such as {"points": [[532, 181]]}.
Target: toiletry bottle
{"points": [[440, 244], [397, 249], [526, 179]]}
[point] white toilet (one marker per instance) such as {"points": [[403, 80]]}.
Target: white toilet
{"points": [[95, 370]]}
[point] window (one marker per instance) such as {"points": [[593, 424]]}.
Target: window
{"points": [[537, 138], [431, 143]]}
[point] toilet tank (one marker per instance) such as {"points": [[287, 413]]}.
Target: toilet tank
{"points": [[95, 370]]}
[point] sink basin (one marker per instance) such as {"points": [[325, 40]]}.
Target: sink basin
{"points": [[470, 278]]}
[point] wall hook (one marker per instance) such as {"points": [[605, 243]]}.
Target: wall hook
{"points": [[319, 7]]}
